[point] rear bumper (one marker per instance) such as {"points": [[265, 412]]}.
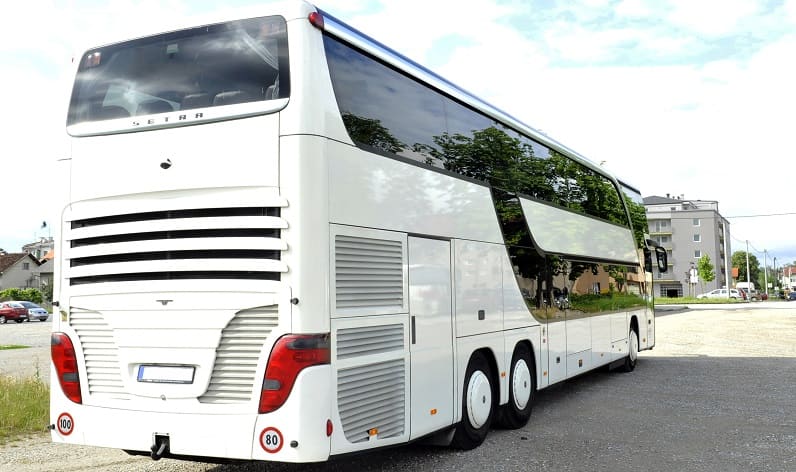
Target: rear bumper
{"points": [[301, 423]]}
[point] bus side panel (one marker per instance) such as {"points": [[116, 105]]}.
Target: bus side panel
{"points": [[478, 287], [371, 381], [374, 191], [304, 183]]}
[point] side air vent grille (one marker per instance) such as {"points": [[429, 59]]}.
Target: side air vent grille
{"points": [[372, 398], [206, 243], [364, 341], [237, 355], [368, 272], [101, 354]]}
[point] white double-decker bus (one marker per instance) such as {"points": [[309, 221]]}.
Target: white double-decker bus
{"points": [[284, 241]]}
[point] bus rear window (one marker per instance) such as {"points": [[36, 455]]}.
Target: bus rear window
{"points": [[220, 64]]}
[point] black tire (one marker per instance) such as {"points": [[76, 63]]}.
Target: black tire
{"points": [[3, 319], [478, 404], [632, 351], [522, 383]]}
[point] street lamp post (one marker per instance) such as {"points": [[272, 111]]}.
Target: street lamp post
{"points": [[765, 270]]}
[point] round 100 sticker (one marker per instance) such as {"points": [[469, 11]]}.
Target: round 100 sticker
{"points": [[271, 440], [65, 424]]}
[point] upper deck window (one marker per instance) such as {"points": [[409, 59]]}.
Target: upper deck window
{"points": [[220, 64]]}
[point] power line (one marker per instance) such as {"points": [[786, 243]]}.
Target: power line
{"points": [[761, 215]]}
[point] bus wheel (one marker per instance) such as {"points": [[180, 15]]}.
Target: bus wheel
{"points": [[632, 352], [522, 385], [477, 404]]}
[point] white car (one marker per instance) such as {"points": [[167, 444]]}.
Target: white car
{"points": [[722, 293]]}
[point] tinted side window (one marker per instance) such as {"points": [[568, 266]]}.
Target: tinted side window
{"points": [[383, 108]]}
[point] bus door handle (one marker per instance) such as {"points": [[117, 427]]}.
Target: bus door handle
{"points": [[414, 330]]}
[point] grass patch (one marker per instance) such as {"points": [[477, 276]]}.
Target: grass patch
{"points": [[25, 407], [4, 347], [594, 303]]}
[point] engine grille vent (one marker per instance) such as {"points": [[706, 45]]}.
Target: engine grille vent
{"points": [[237, 355], [372, 398], [103, 372], [210, 243], [368, 272], [367, 340]]}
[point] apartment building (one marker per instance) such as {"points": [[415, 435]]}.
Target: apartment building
{"points": [[689, 229]]}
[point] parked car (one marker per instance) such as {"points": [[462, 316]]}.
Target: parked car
{"points": [[35, 312], [791, 296], [12, 311], [750, 294], [722, 293]]}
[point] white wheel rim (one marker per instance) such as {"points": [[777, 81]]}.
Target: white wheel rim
{"points": [[479, 399], [521, 384], [633, 346]]}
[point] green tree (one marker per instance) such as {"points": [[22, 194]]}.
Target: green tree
{"points": [[739, 261], [27, 294], [705, 270]]}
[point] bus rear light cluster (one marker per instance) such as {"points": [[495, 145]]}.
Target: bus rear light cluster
{"points": [[291, 354], [65, 362]]}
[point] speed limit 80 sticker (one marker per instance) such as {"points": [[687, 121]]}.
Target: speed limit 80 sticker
{"points": [[65, 424], [271, 440]]}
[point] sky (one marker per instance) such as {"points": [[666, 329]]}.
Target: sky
{"points": [[678, 97]]}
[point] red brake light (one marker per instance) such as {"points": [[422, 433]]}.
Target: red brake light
{"points": [[65, 362], [290, 355], [316, 19]]}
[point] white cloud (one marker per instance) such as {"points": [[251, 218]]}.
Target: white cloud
{"points": [[711, 17], [633, 9]]}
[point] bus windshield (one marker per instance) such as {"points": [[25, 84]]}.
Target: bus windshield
{"points": [[220, 64]]}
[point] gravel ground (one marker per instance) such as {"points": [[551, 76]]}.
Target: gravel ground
{"points": [[716, 394]]}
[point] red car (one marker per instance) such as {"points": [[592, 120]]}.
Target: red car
{"points": [[12, 311]]}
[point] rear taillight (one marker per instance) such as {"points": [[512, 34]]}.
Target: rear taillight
{"points": [[291, 354], [65, 362]]}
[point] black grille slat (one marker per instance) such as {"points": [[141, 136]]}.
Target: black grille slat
{"points": [[178, 234], [176, 214], [169, 255], [186, 275], [233, 243]]}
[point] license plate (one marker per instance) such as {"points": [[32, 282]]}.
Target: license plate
{"points": [[179, 374]]}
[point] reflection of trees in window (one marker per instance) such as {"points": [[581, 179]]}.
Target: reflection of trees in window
{"points": [[371, 132], [638, 218], [509, 163]]}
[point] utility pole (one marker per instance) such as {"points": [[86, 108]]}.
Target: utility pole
{"points": [[727, 259], [748, 295], [765, 267]]}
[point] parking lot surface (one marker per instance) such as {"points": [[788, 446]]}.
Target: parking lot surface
{"points": [[718, 393]]}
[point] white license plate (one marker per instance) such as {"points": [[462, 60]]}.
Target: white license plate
{"points": [[181, 374]]}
